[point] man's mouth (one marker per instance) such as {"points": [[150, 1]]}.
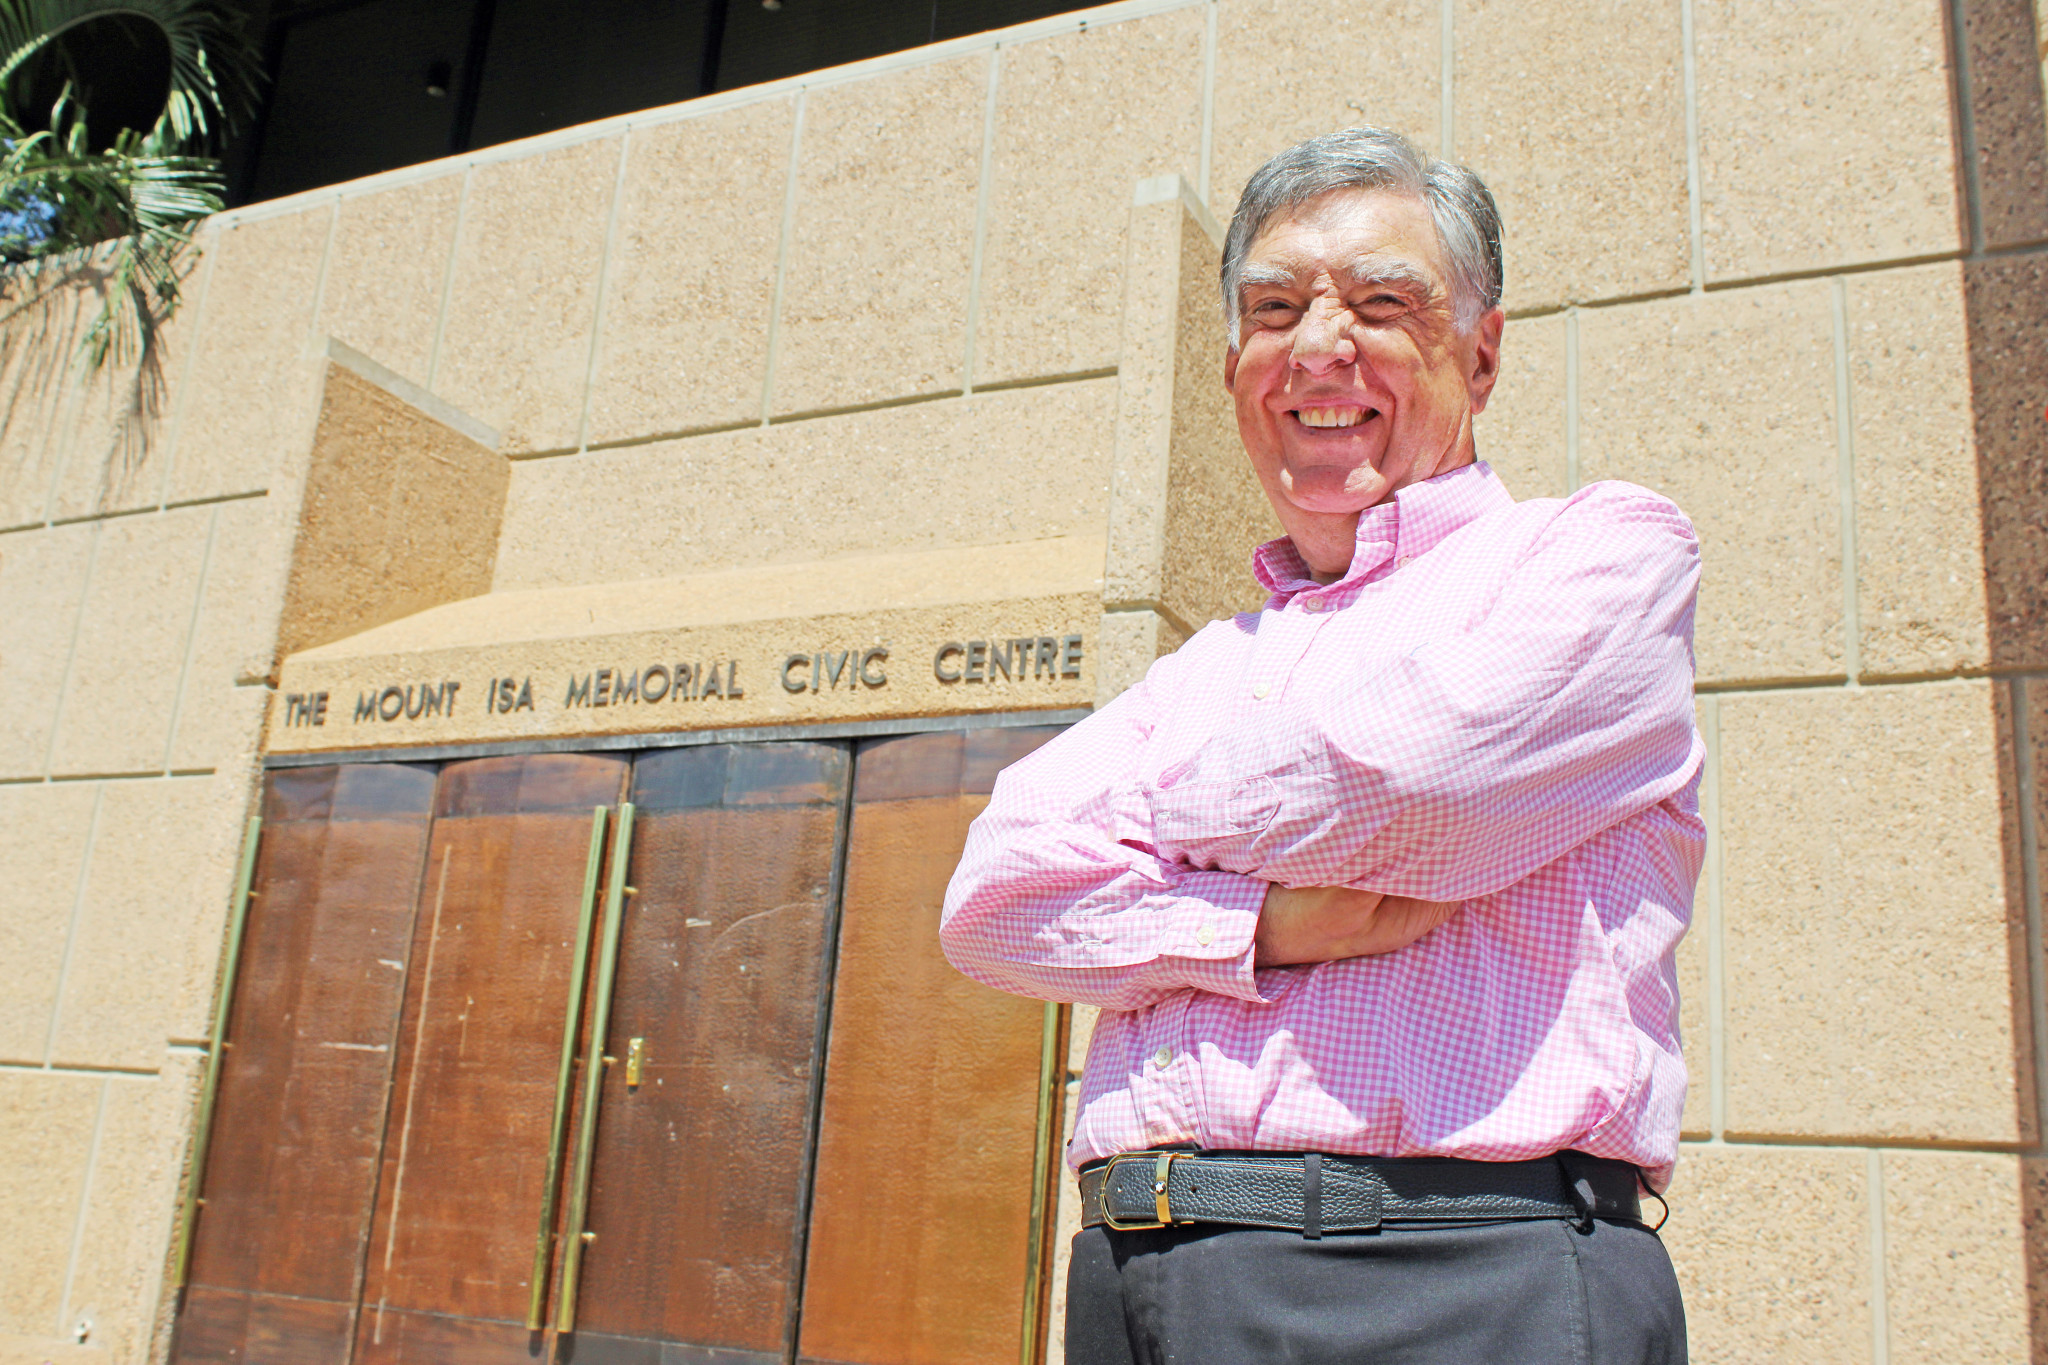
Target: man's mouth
{"points": [[1333, 417]]}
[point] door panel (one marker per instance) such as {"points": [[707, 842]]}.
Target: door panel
{"points": [[451, 1253], [920, 1226], [290, 1174], [700, 1167]]}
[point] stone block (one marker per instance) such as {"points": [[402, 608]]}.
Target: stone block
{"points": [[1110, 105], [149, 936], [1919, 544], [1875, 986], [692, 274], [874, 300], [1579, 131], [515, 349], [400, 512], [1522, 432], [2006, 119], [47, 826], [46, 1127], [1185, 510], [1824, 135], [960, 472], [385, 276], [2007, 299], [1955, 1257], [133, 634], [1793, 1286], [235, 635], [1290, 69], [131, 1212], [42, 582], [1725, 403], [1131, 642], [248, 393]]}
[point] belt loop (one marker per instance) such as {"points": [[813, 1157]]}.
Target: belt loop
{"points": [[1579, 1190], [1312, 1196]]}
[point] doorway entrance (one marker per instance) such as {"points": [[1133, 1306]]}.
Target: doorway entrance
{"points": [[638, 1058]]}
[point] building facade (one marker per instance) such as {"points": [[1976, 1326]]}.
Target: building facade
{"points": [[609, 568]]}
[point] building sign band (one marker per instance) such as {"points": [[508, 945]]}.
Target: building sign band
{"points": [[393, 703]]}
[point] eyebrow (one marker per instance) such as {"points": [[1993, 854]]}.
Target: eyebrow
{"points": [[1359, 270]]}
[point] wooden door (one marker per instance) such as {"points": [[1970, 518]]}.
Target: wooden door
{"points": [[291, 1171], [920, 1232], [465, 1160], [701, 1166]]}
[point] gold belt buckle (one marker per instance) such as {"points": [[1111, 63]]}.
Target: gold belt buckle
{"points": [[1163, 1165]]}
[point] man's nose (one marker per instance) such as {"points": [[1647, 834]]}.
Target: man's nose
{"points": [[1321, 341]]}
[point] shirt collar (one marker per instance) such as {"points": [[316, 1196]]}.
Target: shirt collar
{"points": [[1409, 524]]}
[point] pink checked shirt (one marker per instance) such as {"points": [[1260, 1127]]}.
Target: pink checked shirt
{"points": [[1493, 706]]}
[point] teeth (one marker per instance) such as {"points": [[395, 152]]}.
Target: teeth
{"points": [[1331, 417]]}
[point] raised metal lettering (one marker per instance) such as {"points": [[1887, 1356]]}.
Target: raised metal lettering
{"points": [[525, 702], [999, 657], [787, 664], [391, 703], [874, 656], [647, 692], [625, 687], [319, 708], [603, 695], [579, 691], [939, 661], [977, 659], [1048, 655], [1070, 656], [366, 707]]}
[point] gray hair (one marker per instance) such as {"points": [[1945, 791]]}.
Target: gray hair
{"points": [[1462, 208]]}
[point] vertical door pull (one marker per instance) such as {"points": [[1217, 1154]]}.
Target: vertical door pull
{"points": [[636, 1057], [565, 1070], [575, 1236], [245, 875], [1045, 1161]]}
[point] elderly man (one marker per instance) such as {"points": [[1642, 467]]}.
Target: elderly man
{"points": [[1378, 887]]}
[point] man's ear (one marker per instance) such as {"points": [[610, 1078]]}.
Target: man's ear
{"points": [[1485, 364], [1230, 368]]}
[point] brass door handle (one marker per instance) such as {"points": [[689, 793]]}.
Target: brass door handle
{"points": [[575, 1236], [565, 1069], [636, 1057]]}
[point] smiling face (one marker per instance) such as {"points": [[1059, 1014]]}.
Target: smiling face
{"points": [[1352, 378]]}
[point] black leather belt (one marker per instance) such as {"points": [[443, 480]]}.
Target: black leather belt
{"points": [[1313, 1194]]}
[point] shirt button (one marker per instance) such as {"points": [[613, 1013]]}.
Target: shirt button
{"points": [[1404, 561], [1205, 935], [1163, 1057], [1311, 604], [1259, 691]]}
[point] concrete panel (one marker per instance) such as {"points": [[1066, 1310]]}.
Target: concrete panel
{"points": [[1725, 403], [874, 302], [2008, 310], [40, 861], [132, 638], [2006, 114], [692, 275], [384, 281], [1824, 133], [249, 393], [38, 397], [1131, 642], [235, 636], [1870, 953], [1791, 1287], [131, 1212], [1522, 432], [149, 933], [1108, 106], [400, 512], [1955, 1257], [1579, 129], [1919, 544], [968, 471], [1290, 69], [42, 583], [46, 1127], [515, 349]]}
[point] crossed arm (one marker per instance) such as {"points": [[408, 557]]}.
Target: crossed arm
{"points": [[1466, 765]]}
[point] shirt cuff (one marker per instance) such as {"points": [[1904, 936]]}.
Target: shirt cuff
{"points": [[1210, 928]]}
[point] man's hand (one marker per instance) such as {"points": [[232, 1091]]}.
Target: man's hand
{"points": [[1324, 923]]}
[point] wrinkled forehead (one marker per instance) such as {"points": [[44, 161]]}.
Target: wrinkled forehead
{"points": [[1351, 236]]}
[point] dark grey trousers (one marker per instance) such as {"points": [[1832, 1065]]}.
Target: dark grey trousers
{"points": [[1522, 1293]]}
